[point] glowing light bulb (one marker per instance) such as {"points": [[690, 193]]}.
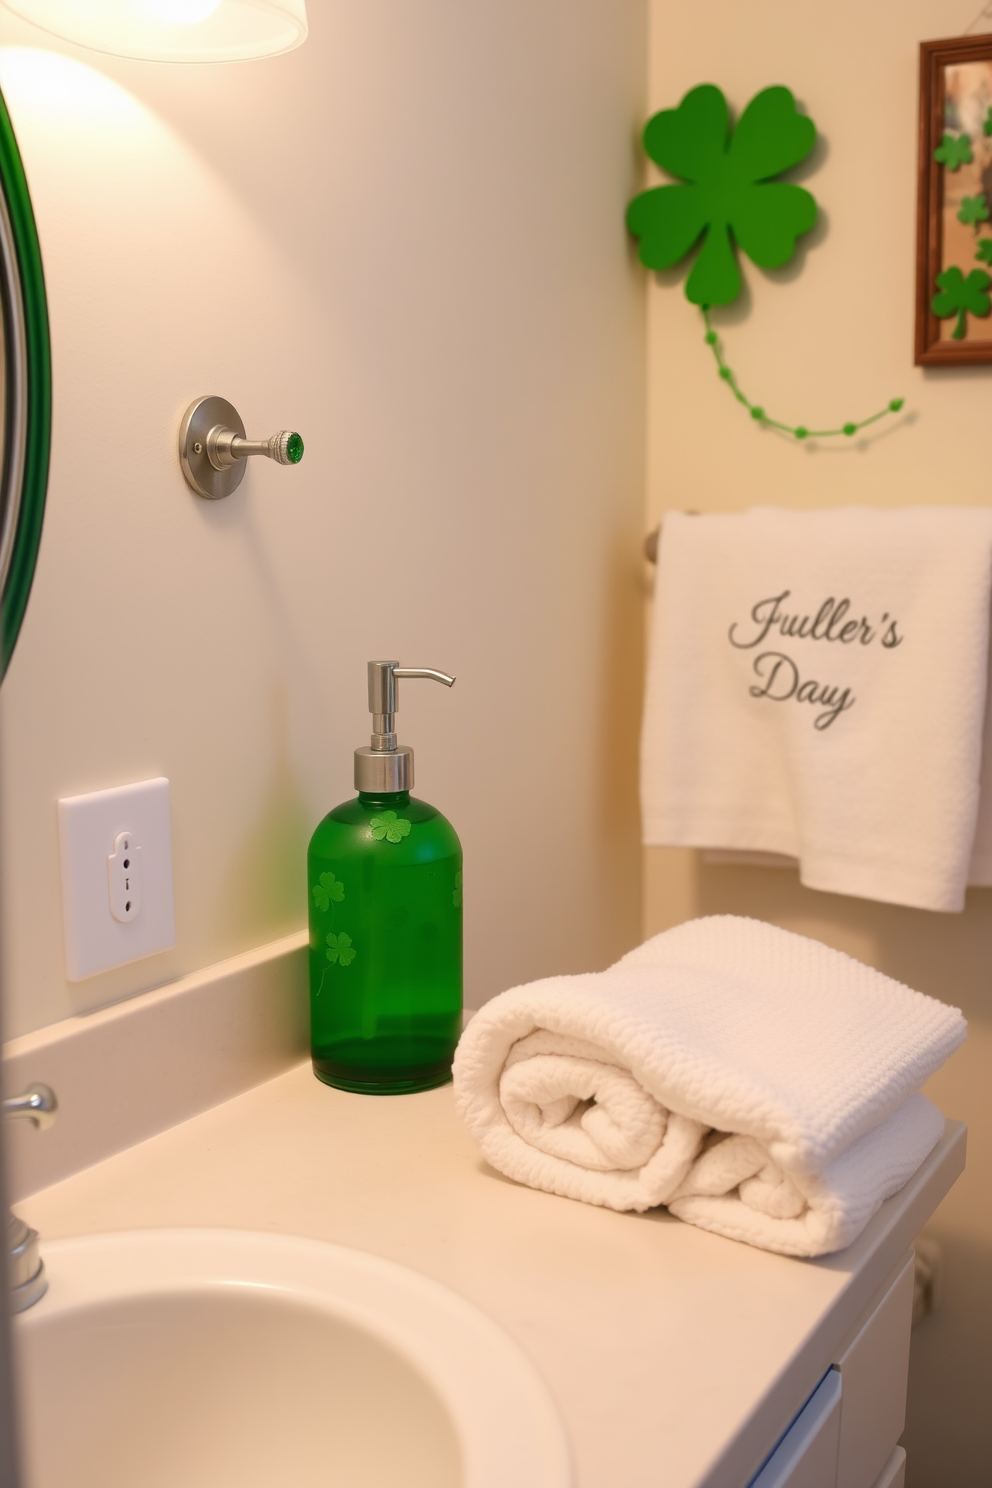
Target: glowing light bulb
{"points": [[172, 30], [181, 12]]}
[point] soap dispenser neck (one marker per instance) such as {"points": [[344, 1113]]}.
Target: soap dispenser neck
{"points": [[383, 731]]}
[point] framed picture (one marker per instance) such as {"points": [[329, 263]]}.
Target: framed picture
{"points": [[954, 204]]}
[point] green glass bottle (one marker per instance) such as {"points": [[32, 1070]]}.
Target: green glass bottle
{"points": [[385, 879]]}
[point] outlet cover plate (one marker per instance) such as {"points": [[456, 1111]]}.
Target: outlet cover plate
{"points": [[88, 826]]}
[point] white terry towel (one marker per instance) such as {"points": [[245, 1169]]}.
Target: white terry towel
{"points": [[758, 1083], [817, 689]]}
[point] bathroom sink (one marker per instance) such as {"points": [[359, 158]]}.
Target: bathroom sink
{"points": [[227, 1359]]}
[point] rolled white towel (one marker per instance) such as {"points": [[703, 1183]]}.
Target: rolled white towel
{"points": [[758, 1083]]}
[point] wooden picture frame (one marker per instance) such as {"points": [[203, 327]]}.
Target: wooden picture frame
{"points": [[955, 106]]}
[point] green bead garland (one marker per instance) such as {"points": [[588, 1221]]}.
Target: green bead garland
{"points": [[798, 431]]}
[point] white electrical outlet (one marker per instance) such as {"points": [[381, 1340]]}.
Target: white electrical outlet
{"points": [[115, 848], [124, 867]]}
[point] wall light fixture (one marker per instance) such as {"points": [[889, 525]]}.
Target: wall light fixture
{"points": [[173, 30]]}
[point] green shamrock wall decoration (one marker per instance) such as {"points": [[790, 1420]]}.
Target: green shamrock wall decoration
{"points": [[953, 151], [959, 295], [724, 197]]}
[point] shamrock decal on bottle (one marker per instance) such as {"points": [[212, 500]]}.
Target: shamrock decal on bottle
{"points": [[339, 949], [328, 891], [387, 825]]}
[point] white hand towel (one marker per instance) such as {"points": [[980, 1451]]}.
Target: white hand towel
{"points": [[758, 1083], [817, 688], [980, 871]]}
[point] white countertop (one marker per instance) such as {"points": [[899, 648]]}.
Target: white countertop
{"points": [[676, 1357]]}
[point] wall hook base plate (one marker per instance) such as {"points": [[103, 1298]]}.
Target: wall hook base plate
{"points": [[202, 416]]}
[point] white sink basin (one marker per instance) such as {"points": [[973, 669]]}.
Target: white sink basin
{"points": [[224, 1359]]}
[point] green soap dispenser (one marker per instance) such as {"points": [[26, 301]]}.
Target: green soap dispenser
{"points": [[385, 879]]}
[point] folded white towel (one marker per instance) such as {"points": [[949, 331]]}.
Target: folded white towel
{"points": [[758, 1083], [817, 688]]}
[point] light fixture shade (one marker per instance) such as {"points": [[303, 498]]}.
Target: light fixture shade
{"points": [[173, 30]]}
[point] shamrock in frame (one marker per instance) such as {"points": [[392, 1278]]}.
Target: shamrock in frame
{"points": [[954, 210]]}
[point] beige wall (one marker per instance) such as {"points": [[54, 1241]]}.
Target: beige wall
{"points": [[831, 339], [405, 239]]}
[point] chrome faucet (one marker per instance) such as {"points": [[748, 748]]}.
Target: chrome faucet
{"points": [[28, 1282]]}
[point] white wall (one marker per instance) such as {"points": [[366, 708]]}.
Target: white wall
{"points": [[405, 239], [830, 338]]}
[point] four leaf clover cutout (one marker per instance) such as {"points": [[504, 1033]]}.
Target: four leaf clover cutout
{"points": [[726, 195]]}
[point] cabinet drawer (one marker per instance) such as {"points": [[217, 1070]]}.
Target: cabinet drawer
{"points": [[893, 1474], [874, 1371], [806, 1457]]}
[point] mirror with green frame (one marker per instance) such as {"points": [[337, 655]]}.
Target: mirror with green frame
{"points": [[26, 411], [26, 383]]}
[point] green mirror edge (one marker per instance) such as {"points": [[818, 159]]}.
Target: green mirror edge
{"points": [[27, 249]]}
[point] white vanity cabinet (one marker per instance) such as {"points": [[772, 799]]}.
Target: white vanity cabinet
{"points": [[846, 1434], [677, 1359], [806, 1457]]}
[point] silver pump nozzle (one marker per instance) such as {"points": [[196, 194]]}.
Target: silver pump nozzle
{"points": [[383, 691], [387, 766]]}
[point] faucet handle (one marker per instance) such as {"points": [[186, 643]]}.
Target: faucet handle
{"points": [[38, 1104], [25, 1269]]}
